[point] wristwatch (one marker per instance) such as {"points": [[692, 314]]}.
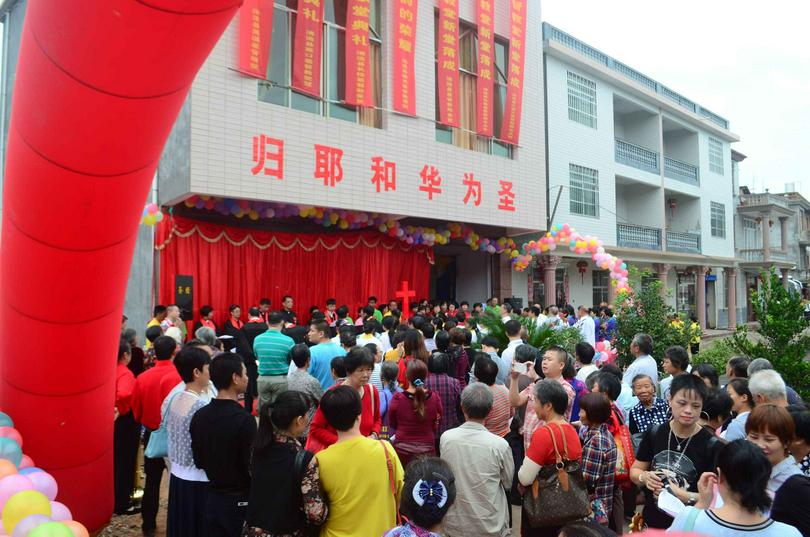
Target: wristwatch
{"points": [[692, 499]]}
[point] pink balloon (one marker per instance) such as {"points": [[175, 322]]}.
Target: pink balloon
{"points": [[59, 512], [27, 462], [11, 432], [12, 484], [44, 483]]}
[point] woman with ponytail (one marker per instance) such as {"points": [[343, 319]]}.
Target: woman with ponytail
{"points": [[742, 476], [428, 493], [285, 492], [415, 415]]}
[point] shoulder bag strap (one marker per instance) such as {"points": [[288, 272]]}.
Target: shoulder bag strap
{"points": [[391, 481], [562, 475], [371, 394], [168, 406]]}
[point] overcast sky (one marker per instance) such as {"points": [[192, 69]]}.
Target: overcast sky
{"points": [[748, 61]]}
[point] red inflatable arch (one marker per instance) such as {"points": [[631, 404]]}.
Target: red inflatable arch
{"points": [[99, 84]]}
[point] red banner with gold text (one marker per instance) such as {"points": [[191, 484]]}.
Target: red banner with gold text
{"points": [[306, 68], [447, 54], [510, 130], [404, 85], [255, 28], [486, 66], [359, 84]]}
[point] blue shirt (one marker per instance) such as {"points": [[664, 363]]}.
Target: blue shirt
{"points": [[320, 365], [736, 429]]}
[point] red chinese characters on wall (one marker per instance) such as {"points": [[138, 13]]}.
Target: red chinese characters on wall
{"points": [[268, 151], [506, 197], [385, 174], [473, 189], [431, 181], [328, 165]]}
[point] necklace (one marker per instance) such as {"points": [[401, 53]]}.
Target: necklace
{"points": [[678, 447]]}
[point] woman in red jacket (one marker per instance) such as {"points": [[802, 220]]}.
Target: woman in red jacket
{"points": [[414, 350], [359, 364]]}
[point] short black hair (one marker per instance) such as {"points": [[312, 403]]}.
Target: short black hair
{"points": [[356, 358], [678, 357], [123, 348], [707, 371], [264, 302], [369, 326], [690, 383], [254, 312], [490, 341], [613, 369], [275, 317], [331, 302], [160, 308], [341, 406], [368, 310], [425, 511], [234, 307], [224, 367], [164, 347], [550, 391], [585, 352], [189, 359], [342, 312], [428, 331], [299, 355], [746, 471], [486, 370], [348, 339], [801, 417], [513, 327], [717, 404], [153, 332], [285, 297], [337, 366], [739, 365], [206, 310], [439, 362], [609, 385], [129, 335], [442, 339]]}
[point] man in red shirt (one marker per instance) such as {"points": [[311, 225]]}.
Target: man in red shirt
{"points": [[151, 388]]}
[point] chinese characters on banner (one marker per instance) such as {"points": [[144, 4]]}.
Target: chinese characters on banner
{"points": [[486, 66], [358, 62], [306, 68], [255, 27], [447, 54], [268, 159], [404, 86], [510, 130]]}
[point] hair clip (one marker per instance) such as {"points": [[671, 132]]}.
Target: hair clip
{"points": [[430, 492], [418, 383]]}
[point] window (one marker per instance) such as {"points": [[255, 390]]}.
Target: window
{"points": [[718, 220], [584, 188], [581, 100], [465, 135], [601, 284], [333, 80], [716, 156]]}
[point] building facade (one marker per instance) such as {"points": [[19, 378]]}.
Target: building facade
{"points": [[646, 170]]}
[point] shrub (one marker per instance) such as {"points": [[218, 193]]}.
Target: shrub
{"points": [[541, 337], [717, 353]]}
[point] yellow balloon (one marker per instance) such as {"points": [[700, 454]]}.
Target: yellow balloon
{"points": [[23, 504]]}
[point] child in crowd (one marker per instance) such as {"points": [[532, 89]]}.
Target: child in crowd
{"points": [[428, 493]]}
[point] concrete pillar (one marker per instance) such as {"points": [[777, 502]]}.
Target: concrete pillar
{"points": [[783, 228], [766, 237], [701, 295], [731, 296], [550, 265], [662, 269], [785, 280]]}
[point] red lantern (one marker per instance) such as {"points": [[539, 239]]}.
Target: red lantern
{"points": [[581, 267]]}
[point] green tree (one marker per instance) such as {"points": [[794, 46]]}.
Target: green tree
{"points": [[783, 336], [645, 311]]}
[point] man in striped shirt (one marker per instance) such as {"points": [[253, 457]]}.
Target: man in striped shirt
{"points": [[272, 350]]}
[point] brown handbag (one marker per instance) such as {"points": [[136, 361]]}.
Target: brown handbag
{"points": [[559, 494]]}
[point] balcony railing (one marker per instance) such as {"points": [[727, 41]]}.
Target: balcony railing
{"points": [[636, 156], [552, 33], [631, 236], [683, 242], [753, 255], [761, 200], [681, 171]]}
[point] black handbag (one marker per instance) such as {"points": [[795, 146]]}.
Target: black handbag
{"points": [[559, 494]]}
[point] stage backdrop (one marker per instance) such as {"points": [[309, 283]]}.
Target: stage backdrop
{"points": [[238, 266]]}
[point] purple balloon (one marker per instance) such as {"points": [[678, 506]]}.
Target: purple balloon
{"points": [[59, 512], [30, 470], [44, 483], [27, 525], [12, 484]]}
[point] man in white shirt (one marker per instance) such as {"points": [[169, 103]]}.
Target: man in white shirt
{"points": [[513, 333], [506, 312], [483, 466], [586, 326], [585, 353], [641, 347]]}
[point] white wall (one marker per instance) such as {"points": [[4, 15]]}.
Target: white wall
{"points": [[681, 146], [472, 276], [638, 205], [717, 188]]}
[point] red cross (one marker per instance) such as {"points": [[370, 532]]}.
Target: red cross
{"points": [[405, 294]]}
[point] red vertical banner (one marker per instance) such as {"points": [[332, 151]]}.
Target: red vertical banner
{"points": [[359, 84], [486, 66], [447, 55], [404, 85], [255, 29], [306, 68], [510, 130]]}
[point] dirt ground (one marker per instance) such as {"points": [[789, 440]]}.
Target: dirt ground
{"points": [[130, 526]]}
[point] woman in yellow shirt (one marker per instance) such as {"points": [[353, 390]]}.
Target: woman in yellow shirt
{"points": [[361, 477]]}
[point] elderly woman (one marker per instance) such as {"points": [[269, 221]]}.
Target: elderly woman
{"points": [[550, 404], [358, 364], [415, 414]]}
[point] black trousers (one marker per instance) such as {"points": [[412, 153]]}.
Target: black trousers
{"points": [[187, 503], [225, 514], [126, 435], [252, 388], [151, 490]]}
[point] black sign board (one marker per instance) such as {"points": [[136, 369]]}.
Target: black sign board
{"points": [[184, 296]]}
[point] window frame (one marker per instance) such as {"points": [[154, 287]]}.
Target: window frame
{"points": [[582, 91], [718, 219], [583, 174], [716, 161], [603, 287]]}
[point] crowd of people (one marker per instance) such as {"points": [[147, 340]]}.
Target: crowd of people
{"points": [[426, 425]]}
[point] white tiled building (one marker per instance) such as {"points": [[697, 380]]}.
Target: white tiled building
{"points": [[643, 168]]}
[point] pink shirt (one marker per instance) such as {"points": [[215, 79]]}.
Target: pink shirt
{"points": [[531, 422]]}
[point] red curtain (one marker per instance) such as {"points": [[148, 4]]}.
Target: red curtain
{"points": [[238, 266]]}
